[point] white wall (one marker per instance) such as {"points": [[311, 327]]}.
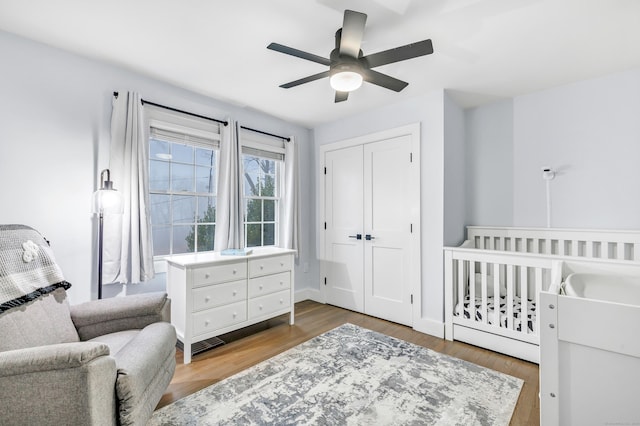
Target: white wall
{"points": [[588, 131], [454, 173], [489, 164], [429, 112], [55, 110]]}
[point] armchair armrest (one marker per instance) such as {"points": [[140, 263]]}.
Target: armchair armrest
{"points": [[51, 357], [66, 384], [99, 317]]}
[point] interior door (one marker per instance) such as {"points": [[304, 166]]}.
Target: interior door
{"points": [[344, 255], [388, 229]]}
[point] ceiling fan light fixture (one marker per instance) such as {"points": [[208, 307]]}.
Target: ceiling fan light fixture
{"points": [[346, 81]]}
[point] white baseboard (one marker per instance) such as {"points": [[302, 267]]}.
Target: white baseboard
{"points": [[428, 326], [307, 294]]}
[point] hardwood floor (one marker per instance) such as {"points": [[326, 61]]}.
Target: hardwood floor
{"points": [[254, 344]]}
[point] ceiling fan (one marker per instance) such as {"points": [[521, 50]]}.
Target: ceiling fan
{"points": [[347, 65]]}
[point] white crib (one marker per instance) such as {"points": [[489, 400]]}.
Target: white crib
{"points": [[493, 281]]}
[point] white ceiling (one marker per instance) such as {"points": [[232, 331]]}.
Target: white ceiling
{"points": [[484, 49]]}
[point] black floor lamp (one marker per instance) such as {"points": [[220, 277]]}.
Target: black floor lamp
{"points": [[106, 200]]}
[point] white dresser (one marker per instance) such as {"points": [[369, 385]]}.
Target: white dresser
{"points": [[212, 294]]}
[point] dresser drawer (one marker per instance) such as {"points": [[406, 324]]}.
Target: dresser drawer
{"points": [[206, 275], [216, 318], [270, 303], [219, 294], [270, 265], [269, 284]]}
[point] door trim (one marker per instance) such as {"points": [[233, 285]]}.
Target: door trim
{"points": [[412, 130]]}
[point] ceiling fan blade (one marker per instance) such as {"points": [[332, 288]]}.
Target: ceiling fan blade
{"points": [[352, 33], [341, 96], [383, 80], [305, 80], [299, 53], [413, 50]]}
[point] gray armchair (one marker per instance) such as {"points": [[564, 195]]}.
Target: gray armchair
{"points": [[104, 362]]}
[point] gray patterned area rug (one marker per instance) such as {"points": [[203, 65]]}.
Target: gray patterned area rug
{"points": [[352, 376]]}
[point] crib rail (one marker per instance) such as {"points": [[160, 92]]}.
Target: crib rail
{"points": [[604, 244], [476, 274]]}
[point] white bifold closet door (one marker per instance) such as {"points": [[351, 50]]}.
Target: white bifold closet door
{"points": [[371, 193]]}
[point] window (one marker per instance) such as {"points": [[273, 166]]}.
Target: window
{"points": [[262, 162], [183, 170]]}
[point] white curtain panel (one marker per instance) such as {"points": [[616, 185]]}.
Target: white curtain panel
{"points": [[229, 210], [128, 250], [290, 224]]}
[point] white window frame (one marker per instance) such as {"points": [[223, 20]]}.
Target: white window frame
{"points": [[196, 131], [272, 148]]}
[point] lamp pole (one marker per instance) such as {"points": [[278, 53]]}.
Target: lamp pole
{"points": [[104, 199]]}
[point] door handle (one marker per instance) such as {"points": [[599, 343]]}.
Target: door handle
{"points": [[357, 236], [369, 237]]}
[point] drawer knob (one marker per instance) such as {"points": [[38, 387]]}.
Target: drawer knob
{"points": [[261, 266], [207, 275], [235, 271], [281, 282], [281, 263], [206, 299], [281, 301], [260, 307], [235, 314], [206, 323], [260, 286], [235, 292]]}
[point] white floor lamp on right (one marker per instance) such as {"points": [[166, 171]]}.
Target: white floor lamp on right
{"points": [[106, 200]]}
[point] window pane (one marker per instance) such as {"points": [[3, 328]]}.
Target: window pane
{"points": [[183, 239], [206, 236], [184, 209], [182, 177], [253, 232], [205, 179], [158, 175], [251, 176], [161, 240], [253, 210], [205, 157], [267, 166], [269, 234], [182, 153], [269, 210], [206, 209], [268, 186], [160, 209], [159, 150]]}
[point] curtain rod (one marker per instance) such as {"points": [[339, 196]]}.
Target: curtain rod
{"points": [[265, 133], [179, 110]]}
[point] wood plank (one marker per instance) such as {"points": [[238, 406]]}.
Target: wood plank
{"points": [[257, 343]]}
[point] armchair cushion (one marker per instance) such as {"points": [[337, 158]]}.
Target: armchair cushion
{"points": [[43, 321], [105, 316]]}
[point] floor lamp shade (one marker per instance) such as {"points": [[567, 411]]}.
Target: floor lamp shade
{"points": [[106, 200]]}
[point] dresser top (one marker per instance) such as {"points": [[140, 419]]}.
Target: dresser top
{"points": [[208, 257]]}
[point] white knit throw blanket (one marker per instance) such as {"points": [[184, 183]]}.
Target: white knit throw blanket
{"points": [[27, 266]]}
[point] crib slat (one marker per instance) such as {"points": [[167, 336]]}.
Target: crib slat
{"points": [[589, 252], [575, 248], [483, 307], [620, 251], [562, 244], [462, 279], [604, 250], [538, 285], [524, 295], [472, 291], [496, 294], [509, 301], [636, 251]]}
